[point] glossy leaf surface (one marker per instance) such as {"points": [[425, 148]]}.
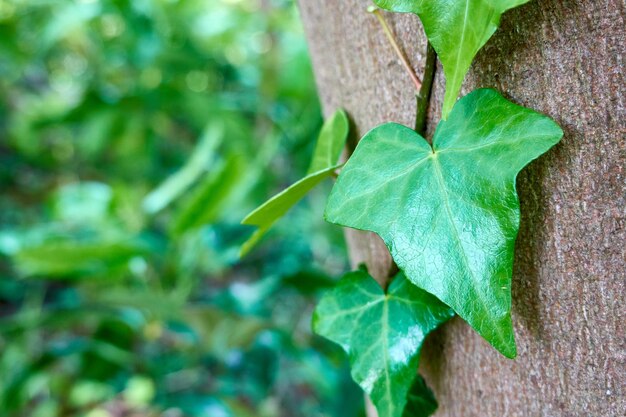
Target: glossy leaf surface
{"points": [[457, 29], [331, 141], [382, 334], [449, 214]]}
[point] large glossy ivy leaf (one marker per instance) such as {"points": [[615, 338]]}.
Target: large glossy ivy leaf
{"points": [[449, 214], [331, 141], [383, 333], [457, 29]]}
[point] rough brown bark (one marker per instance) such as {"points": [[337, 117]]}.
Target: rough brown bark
{"points": [[565, 59]]}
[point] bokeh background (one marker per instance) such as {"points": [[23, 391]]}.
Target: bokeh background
{"points": [[134, 137]]}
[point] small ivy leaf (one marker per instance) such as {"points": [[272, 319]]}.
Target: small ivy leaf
{"points": [[449, 214], [330, 142], [382, 334], [276, 207], [457, 29]]}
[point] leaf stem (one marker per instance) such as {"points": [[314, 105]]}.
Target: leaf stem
{"points": [[394, 43], [423, 97]]}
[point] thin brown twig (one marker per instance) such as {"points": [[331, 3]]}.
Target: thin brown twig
{"points": [[396, 47]]}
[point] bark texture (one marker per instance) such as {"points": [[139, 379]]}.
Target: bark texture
{"points": [[565, 59]]}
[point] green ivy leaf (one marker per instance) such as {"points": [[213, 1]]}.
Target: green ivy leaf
{"points": [[383, 334], [331, 141], [457, 29], [449, 214]]}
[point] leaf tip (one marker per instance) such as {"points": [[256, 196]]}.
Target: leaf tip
{"points": [[509, 352], [506, 345]]}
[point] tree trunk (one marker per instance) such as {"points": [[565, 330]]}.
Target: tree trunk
{"points": [[562, 58]]}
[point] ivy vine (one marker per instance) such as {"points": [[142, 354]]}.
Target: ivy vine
{"points": [[447, 210]]}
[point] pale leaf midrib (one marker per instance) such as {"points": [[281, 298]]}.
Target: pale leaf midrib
{"points": [[345, 312], [444, 197], [386, 357], [461, 48], [473, 148]]}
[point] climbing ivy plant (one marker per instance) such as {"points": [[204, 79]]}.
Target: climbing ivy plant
{"points": [[447, 210]]}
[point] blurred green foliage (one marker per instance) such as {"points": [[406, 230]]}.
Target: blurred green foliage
{"points": [[134, 137]]}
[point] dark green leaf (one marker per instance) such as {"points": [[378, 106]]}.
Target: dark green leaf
{"points": [[457, 29], [420, 400], [382, 333], [308, 282], [449, 214], [331, 141]]}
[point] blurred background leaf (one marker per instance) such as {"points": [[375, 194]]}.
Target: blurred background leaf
{"points": [[134, 137]]}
